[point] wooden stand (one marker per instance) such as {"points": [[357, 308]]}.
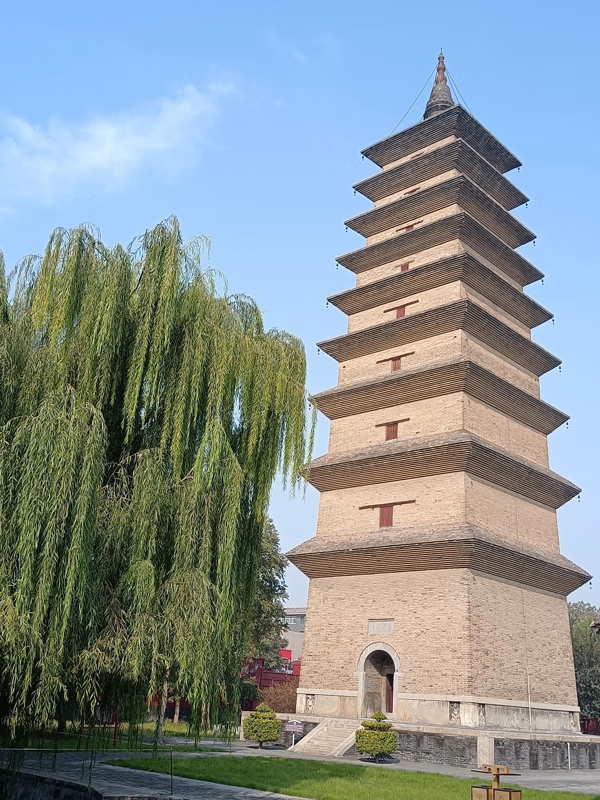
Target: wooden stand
{"points": [[494, 792]]}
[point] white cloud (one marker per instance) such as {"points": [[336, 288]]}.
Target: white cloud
{"points": [[284, 48], [50, 162], [320, 48]]}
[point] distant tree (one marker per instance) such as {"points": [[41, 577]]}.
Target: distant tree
{"points": [[262, 726], [581, 610], [267, 624], [248, 689], [586, 656], [376, 737], [281, 697]]}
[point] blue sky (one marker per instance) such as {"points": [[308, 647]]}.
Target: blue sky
{"points": [[246, 120]]}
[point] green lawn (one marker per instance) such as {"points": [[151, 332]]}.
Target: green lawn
{"points": [[325, 780]]}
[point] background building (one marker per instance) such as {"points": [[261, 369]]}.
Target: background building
{"points": [[295, 620]]}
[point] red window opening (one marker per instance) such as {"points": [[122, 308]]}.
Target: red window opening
{"points": [[386, 511], [386, 516], [391, 431], [391, 428], [396, 361], [404, 267], [409, 227], [412, 191], [400, 310]]}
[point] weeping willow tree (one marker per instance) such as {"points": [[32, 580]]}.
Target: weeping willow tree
{"points": [[143, 418]]}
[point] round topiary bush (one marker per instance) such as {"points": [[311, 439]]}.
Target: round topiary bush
{"points": [[375, 738], [262, 725]]}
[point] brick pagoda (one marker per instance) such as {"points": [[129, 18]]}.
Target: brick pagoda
{"points": [[437, 586]]}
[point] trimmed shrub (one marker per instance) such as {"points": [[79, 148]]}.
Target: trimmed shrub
{"points": [[262, 726], [375, 738]]}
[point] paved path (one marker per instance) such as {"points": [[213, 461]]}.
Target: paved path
{"points": [[122, 782], [115, 781]]}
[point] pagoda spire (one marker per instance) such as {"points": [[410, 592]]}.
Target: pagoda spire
{"points": [[440, 98]]}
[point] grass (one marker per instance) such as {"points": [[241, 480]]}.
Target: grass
{"points": [[100, 741], [101, 738], [174, 729], [325, 780]]}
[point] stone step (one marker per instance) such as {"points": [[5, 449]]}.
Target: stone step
{"points": [[329, 738]]}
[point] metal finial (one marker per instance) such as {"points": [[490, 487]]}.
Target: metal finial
{"points": [[441, 97], [440, 76]]}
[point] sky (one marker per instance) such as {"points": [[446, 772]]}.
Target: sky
{"points": [[246, 121]]}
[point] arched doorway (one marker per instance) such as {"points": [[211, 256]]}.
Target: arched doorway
{"points": [[378, 673]]}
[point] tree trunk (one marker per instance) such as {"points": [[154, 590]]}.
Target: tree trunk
{"points": [[81, 730], [61, 726], [176, 713], [116, 730], [163, 708]]}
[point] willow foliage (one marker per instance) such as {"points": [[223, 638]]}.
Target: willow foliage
{"points": [[143, 419]]}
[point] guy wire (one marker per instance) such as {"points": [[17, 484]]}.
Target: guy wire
{"points": [[457, 90], [416, 98]]}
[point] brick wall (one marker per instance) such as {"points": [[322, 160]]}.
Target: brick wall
{"points": [[513, 630], [422, 150], [440, 500], [432, 298], [527, 754], [431, 632], [504, 431], [445, 176], [417, 259], [438, 348], [423, 219], [513, 517], [438, 415], [456, 632]]}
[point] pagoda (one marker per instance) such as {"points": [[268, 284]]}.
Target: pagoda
{"points": [[437, 587]]}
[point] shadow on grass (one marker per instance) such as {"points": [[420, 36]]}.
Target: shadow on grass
{"points": [[324, 780], [98, 742], [269, 747]]}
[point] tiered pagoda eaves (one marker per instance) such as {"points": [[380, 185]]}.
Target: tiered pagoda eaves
{"points": [[437, 586]]}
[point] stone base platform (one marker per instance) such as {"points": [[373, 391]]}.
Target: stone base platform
{"points": [[455, 711], [463, 746]]}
